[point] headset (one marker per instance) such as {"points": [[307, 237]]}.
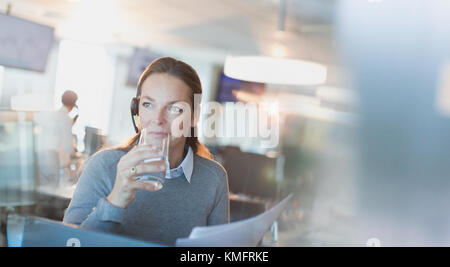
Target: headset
{"points": [[134, 108]]}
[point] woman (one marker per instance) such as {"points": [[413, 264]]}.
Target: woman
{"points": [[108, 197]]}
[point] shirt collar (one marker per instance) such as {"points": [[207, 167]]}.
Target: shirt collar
{"points": [[186, 167]]}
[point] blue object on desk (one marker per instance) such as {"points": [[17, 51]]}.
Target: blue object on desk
{"points": [[30, 231]]}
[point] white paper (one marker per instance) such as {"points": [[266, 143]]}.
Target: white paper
{"points": [[245, 233]]}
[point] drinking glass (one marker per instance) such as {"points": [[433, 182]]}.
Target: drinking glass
{"points": [[161, 143]]}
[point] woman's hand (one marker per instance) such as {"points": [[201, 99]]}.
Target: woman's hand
{"points": [[124, 190]]}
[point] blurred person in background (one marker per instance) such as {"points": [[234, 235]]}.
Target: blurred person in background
{"points": [[55, 142]]}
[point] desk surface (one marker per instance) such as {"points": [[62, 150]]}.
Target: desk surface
{"points": [[57, 191], [13, 197]]}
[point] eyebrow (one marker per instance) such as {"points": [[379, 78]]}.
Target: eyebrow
{"points": [[151, 99]]}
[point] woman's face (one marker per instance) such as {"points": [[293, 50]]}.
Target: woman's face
{"points": [[164, 101]]}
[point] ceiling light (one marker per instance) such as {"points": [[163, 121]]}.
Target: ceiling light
{"points": [[273, 70], [279, 50]]}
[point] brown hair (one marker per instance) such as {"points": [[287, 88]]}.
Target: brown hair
{"points": [[189, 76]]}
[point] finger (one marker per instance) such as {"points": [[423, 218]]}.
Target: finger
{"points": [[137, 156], [145, 185], [155, 166]]}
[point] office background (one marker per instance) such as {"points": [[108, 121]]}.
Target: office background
{"points": [[364, 152]]}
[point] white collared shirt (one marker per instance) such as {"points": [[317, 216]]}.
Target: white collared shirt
{"points": [[186, 167], [55, 133]]}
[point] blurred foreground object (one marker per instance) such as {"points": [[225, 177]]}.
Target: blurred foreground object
{"points": [[396, 51]]}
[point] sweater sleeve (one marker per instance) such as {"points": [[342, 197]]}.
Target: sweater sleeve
{"points": [[88, 207], [220, 214]]}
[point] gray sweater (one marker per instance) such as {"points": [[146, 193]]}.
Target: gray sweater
{"points": [[161, 216]]}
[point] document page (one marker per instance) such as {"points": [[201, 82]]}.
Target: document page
{"points": [[245, 233]]}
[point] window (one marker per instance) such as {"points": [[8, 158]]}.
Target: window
{"points": [[87, 70]]}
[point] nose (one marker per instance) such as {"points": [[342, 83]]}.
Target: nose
{"points": [[158, 117]]}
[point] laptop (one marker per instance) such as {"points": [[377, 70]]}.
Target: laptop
{"points": [[31, 231]]}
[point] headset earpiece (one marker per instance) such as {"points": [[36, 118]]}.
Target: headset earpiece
{"points": [[134, 108]]}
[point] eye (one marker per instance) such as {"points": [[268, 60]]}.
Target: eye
{"points": [[175, 110], [146, 104]]}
